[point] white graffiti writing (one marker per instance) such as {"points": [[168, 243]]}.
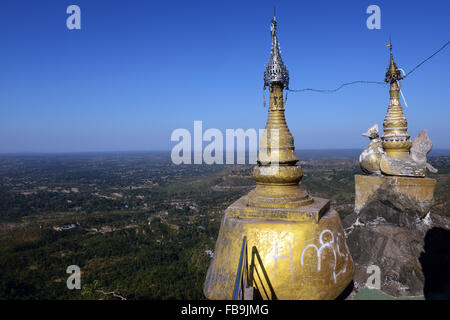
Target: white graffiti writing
{"points": [[333, 245], [276, 257]]}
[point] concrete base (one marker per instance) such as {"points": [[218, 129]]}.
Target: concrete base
{"points": [[417, 189]]}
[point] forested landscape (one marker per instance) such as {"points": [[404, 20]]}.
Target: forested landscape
{"points": [[138, 226]]}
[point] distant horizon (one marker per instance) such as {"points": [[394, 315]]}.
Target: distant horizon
{"points": [[440, 151]]}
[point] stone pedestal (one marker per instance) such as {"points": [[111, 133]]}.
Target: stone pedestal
{"points": [[420, 190], [295, 253]]}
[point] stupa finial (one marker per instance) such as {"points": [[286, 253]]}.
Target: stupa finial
{"points": [[276, 71], [393, 73]]}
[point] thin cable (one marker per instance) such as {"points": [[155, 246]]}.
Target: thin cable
{"points": [[427, 59], [338, 88], [362, 81]]}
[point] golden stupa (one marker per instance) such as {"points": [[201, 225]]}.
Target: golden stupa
{"points": [[395, 154], [298, 240], [395, 139], [394, 160]]}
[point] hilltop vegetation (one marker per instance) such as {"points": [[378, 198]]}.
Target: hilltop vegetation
{"points": [[135, 224]]}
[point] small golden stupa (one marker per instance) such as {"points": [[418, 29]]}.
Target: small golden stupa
{"points": [[395, 139], [395, 160], [298, 240]]}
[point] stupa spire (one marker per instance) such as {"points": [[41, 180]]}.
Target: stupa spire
{"points": [[395, 139], [277, 172]]}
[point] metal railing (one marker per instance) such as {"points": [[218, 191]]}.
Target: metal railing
{"points": [[247, 286], [242, 273]]}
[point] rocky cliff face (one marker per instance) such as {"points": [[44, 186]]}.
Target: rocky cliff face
{"points": [[410, 246]]}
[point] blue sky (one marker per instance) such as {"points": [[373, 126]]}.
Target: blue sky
{"points": [[137, 70]]}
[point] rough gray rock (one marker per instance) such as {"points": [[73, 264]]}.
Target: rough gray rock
{"points": [[396, 234]]}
